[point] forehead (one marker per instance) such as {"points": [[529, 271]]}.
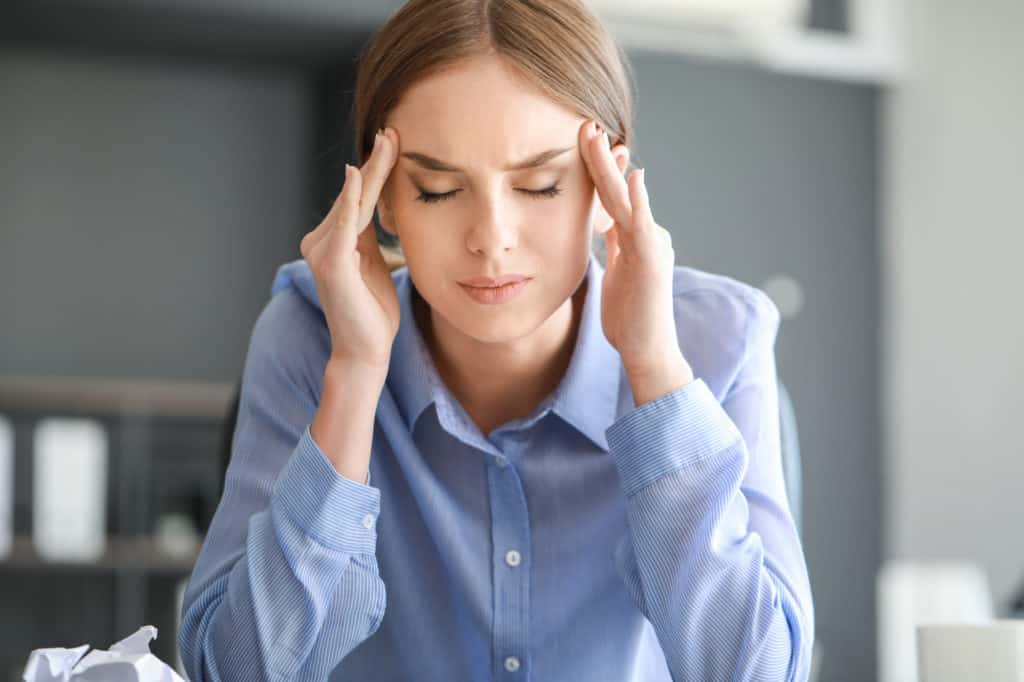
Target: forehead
{"points": [[481, 113]]}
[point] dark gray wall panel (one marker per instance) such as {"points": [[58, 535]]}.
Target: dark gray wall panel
{"points": [[143, 210]]}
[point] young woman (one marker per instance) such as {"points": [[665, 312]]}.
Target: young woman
{"points": [[503, 460]]}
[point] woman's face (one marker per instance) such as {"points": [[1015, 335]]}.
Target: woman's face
{"points": [[462, 209]]}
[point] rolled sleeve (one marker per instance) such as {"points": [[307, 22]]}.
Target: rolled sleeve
{"points": [[648, 443], [335, 511]]}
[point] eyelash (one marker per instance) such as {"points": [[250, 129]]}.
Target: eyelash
{"points": [[546, 193]]}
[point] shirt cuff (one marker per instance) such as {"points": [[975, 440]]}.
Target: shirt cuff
{"points": [[334, 510], [669, 433]]}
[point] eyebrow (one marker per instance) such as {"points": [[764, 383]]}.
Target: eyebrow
{"points": [[430, 163]]}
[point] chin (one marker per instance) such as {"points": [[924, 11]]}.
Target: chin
{"points": [[496, 327], [496, 323]]}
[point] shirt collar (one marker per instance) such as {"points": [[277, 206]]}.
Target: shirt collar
{"points": [[586, 398]]}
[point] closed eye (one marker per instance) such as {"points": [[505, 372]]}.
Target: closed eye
{"points": [[546, 193]]}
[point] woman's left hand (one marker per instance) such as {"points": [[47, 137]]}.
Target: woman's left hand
{"points": [[636, 308]]}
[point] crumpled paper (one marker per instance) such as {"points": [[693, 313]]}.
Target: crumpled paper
{"points": [[130, 660]]}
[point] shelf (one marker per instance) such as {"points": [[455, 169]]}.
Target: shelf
{"points": [[118, 397], [815, 53], [140, 554]]}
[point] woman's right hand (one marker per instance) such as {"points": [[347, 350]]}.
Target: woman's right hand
{"points": [[353, 282]]}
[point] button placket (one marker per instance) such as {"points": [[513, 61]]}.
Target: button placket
{"points": [[510, 529]]}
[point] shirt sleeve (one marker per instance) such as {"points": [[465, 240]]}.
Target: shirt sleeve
{"points": [[286, 583], [712, 557]]}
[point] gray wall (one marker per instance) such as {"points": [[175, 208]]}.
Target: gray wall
{"points": [[143, 209], [758, 175]]}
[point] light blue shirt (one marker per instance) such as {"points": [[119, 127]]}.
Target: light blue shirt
{"points": [[592, 540]]}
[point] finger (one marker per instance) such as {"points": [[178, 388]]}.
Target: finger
{"points": [[608, 180], [371, 256], [312, 238], [369, 170], [375, 173], [611, 246], [343, 232], [639, 200], [367, 244], [315, 236], [588, 131], [334, 213]]}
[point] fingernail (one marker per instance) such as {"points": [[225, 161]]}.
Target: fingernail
{"points": [[604, 134], [347, 169], [643, 178], [376, 142]]}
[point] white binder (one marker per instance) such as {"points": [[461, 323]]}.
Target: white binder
{"points": [[6, 486], [69, 486]]}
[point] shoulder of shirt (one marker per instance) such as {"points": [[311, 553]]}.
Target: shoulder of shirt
{"points": [[289, 312], [293, 318], [720, 320], [290, 337], [722, 299]]}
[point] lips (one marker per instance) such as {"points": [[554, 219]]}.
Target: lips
{"points": [[496, 295], [493, 282]]}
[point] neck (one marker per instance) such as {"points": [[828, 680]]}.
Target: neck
{"points": [[496, 383]]}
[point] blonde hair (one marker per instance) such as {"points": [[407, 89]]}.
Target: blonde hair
{"points": [[560, 46]]}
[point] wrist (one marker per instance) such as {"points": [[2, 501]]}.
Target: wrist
{"points": [[353, 372], [651, 381], [343, 424]]}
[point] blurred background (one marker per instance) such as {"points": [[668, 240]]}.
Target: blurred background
{"points": [[860, 160]]}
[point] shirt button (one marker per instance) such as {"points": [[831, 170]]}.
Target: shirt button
{"points": [[511, 664], [368, 521], [501, 461], [512, 557]]}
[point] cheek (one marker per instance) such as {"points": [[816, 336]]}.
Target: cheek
{"points": [[576, 209]]}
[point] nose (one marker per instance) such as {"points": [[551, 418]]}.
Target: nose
{"points": [[493, 232]]}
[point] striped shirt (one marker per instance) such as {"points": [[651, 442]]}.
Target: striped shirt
{"points": [[591, 540]]}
